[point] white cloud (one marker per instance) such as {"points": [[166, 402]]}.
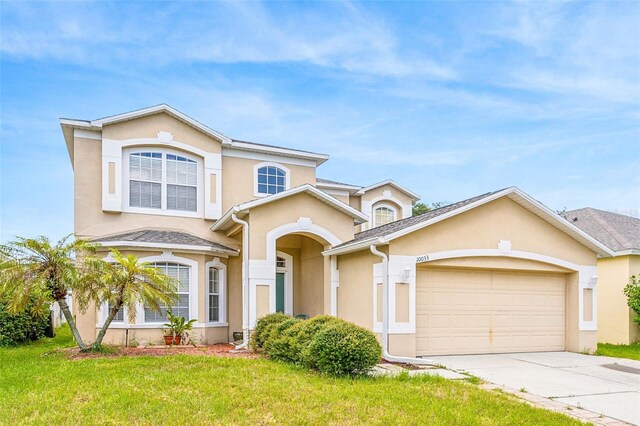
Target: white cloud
{"points": [[339, 36]]}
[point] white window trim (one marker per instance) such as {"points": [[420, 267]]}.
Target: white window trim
{"points": [[287, 177], [222, 306], [385, 205], [163, 210], [288, 281], [193, 286]]}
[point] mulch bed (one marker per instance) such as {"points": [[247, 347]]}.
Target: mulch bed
{"points": [[220, 350]]}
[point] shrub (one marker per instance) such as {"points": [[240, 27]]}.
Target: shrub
{"points": [[292, 343], [275, 334], [632, 291], [263, 328], [22, 327], [343, 349]]}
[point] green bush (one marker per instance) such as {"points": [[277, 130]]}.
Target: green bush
{"points": [[343, 349], [275, 333], [20, 328], [632, 291], [292, 343], [263, 328]]}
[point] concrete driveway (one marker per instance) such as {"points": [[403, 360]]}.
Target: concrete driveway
{"points": [[609, 386]]}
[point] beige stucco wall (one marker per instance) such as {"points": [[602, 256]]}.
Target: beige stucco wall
{"points": [[87, 320], [267, 217], [238, 179], [379, 192], [149, 126], [479, 228], [91, 222], [310, 288], [615, 318], [355, 292], [484, 226]]}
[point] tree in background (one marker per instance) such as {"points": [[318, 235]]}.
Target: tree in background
{"points": [[632, 291], [35, 273], [124, 282], [420, 208]]}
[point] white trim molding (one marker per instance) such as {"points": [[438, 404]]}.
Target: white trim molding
{"points": [[402, 271], [263, 271], [222, 294], [209, 164], [256, 167], [288, 280], [169, 257], [587, 274]]}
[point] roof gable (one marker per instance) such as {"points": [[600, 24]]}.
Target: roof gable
{"points": [[393, 230], [242, 209], [390, 182]]}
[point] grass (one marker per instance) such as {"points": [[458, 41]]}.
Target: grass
{"points": [[631, 351], [40, 385]]}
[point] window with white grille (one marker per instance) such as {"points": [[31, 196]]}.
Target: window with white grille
{"points": [[180, 307], [161, 180], [213, 294]]}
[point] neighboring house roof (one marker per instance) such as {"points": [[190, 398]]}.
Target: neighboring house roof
{"points": [[385, 233], [242, 209], [163, 239], [617, 231], [68, 124], [390, 182]]}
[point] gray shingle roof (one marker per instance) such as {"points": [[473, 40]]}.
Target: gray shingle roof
{"points": [[164, 237], [398, 225], [616, 231]]}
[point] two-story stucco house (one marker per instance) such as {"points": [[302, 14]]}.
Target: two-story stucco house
{"points": [[250, 229]]}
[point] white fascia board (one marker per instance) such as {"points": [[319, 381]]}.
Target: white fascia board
{"points": [[268, 156], [246, 146], [349, 188], [139, 244], [392, 183], [629, 252], [561, 223], [162, 108], [360, 245], [311, 190]]}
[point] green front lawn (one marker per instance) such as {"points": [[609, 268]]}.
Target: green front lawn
{"points": [[631, 351], [41, 386]]}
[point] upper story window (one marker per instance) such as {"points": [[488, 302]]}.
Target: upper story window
{"points": [[270, 178], [383, 215], [163, 181]]}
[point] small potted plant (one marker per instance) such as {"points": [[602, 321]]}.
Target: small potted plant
{"points": [[176, 328]]}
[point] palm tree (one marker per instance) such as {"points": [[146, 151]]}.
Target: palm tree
{"points": [[36, 270], [125, 282]]}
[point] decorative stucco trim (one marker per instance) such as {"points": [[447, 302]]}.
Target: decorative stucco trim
{"points": [[587, 274], [222, 276]]}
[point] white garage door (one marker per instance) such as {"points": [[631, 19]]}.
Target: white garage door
{"points": [[483, 311]]}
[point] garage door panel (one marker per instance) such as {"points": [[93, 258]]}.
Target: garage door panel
{"points": [[471, 311]]}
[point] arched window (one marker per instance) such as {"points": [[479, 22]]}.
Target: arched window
{"points": [[383, 215], [271, 179], [180, 308], [162, 180]]}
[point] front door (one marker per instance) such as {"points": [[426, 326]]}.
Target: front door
{"points": [[280, 292]]}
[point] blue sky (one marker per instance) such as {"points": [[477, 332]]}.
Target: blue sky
{"points": [[450, 99]]}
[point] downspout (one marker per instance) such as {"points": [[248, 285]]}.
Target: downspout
{"points": [[245, 280], [385, 314]]}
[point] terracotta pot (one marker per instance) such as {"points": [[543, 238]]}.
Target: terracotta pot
{"points": [[169, 340]]}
